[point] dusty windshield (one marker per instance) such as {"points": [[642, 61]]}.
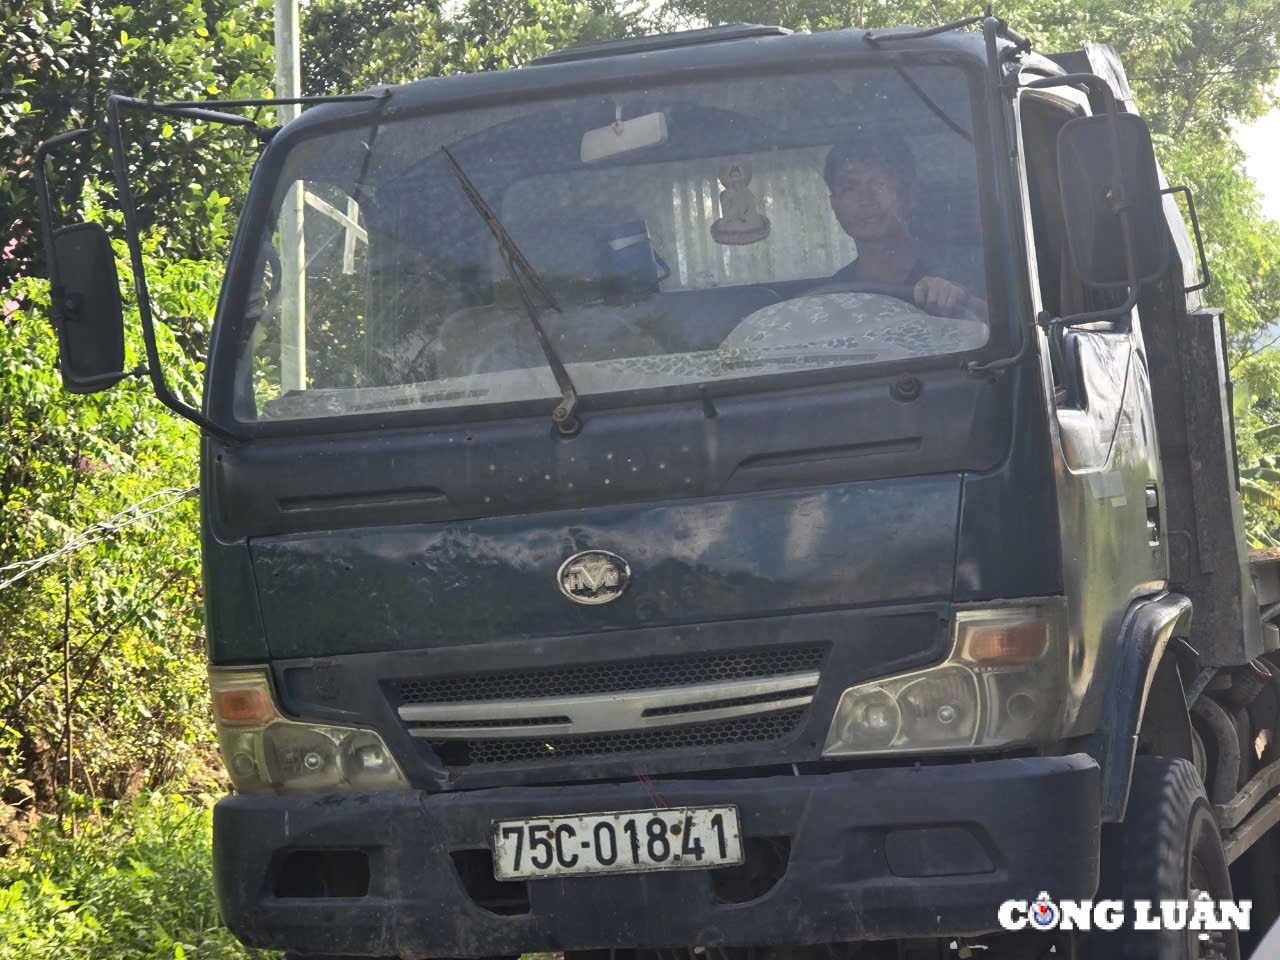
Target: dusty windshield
{"points": [[680, 235]]}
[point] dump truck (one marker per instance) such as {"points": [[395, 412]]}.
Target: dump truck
{"points": [[725, 494]]}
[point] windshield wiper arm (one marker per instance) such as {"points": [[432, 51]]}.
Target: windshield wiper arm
{"points": [[522, 273]]}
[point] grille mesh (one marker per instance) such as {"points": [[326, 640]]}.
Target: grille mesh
{"points": [[613, 677], [760, 728]]}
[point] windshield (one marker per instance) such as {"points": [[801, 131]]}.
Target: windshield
{"points": [[683, 234]]}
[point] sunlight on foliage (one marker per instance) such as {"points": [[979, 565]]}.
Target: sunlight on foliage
{"points": [[134, 884], [128, 608]]}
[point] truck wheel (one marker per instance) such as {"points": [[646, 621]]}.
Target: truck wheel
{"points": [[1168, 848]]}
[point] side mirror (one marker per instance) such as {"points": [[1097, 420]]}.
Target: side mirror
{"points": [[1087, 173], [87, 313]]}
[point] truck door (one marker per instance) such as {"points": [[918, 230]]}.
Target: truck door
{"points": [[1089, 365], [1098, 400]]}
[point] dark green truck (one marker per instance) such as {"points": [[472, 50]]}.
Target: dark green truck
{"points": [[724, 494]]}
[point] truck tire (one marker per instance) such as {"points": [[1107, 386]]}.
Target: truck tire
{"points": [[1167, 848]]}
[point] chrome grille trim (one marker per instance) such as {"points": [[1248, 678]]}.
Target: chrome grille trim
{"points": [[611, 676], [610, 712]]}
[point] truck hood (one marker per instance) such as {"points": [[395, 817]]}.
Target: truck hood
{"points": [[458, 583]]}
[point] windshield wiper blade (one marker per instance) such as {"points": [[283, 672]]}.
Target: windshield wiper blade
{"points": [[522, 273], [929, 102]]}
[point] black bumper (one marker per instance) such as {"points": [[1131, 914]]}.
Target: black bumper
{"points": [[873, 854]]}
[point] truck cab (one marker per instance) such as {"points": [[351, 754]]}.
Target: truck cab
{"points": [[725, 491]]}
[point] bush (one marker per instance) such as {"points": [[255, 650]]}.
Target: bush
{"points": [[134, 886], [104, 645]]}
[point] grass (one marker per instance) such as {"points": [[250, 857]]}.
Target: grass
{"points": [[134, 885]]}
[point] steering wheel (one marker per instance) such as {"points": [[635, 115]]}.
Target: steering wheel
{"points": [[896, 290]]}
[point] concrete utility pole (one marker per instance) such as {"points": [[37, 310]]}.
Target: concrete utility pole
{"points": [[293, 253]]}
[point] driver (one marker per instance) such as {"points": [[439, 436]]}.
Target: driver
{"points": [[871, 180]]}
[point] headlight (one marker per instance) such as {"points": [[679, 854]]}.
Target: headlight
{"points": [[267, 753], [1004, 683]]}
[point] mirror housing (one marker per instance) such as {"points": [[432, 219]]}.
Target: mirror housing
{"points": [[88, 315], [623, 136], [1087, 176]]}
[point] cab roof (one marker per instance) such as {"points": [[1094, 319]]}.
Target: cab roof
{"points": [[640, 60]]}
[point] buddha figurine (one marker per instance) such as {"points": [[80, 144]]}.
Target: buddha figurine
{"points": [[740, 222]]}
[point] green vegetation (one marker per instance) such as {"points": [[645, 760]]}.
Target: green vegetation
{"points": [[60, 60], [128, 887], [103, 645], [102, 696]]}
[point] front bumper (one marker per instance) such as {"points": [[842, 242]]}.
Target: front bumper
{"points": [[873, 854]]}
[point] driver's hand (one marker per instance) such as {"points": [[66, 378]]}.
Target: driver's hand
{"points": [[942, 298]]}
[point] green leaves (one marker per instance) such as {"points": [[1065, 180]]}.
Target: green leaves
{"points": [[135, 624], [134, 885], [354, 45], [66, 57]]}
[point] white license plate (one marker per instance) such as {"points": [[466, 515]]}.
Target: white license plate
{"points": [[672, 838]]}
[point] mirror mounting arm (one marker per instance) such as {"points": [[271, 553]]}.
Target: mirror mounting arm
{"points": [[992, 369], [1206, 278], [120, 166], [111, 379], [1097, 316]]}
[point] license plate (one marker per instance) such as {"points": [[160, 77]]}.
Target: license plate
{"points": [[633, 841]]}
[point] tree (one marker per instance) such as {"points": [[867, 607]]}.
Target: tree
{"points": [[101, 669], [61, 60], [101, 686], [340, 39], [358, 44]]}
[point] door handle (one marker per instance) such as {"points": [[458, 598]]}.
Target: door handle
{"points": [[1153, 515]]}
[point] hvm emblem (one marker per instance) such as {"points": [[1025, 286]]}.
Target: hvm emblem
{"points": [[594, 576]]}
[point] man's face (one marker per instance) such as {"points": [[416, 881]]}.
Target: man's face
{"points": [[870, 203]]}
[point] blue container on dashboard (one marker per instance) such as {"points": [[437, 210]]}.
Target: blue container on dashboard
{"points": [[631, 268]]}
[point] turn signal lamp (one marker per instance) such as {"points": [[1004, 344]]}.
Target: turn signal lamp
{"points": [[243, 705], [267, 753], [1011, 642]]}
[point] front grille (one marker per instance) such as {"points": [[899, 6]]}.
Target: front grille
{"points": [[505, 724], [760, 728], [762, 700], [612, 677]]}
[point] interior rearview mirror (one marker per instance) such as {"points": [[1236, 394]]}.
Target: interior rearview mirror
{"points": [[1087, 175], [87, 312], [623, 136]]}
